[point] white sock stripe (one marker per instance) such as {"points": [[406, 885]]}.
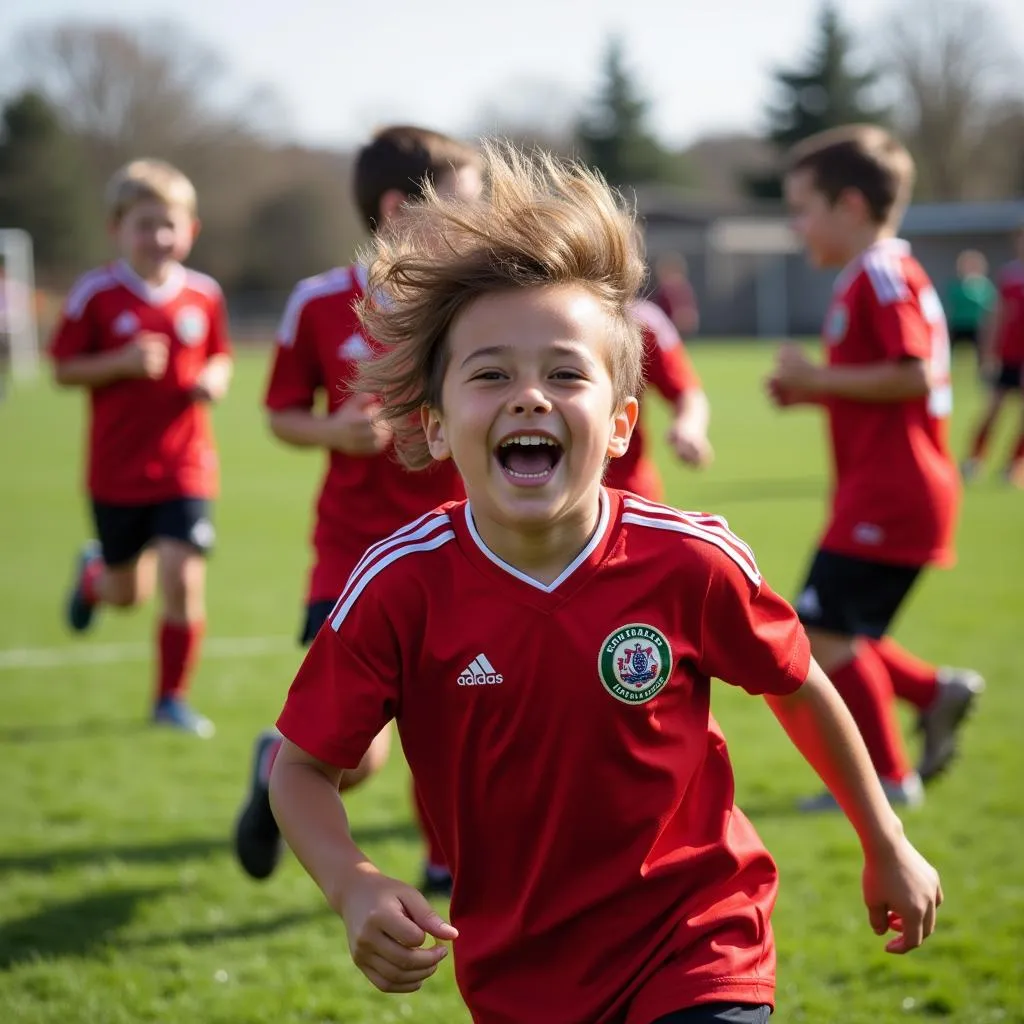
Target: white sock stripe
{"points": [[353, 590], [677, 526]]}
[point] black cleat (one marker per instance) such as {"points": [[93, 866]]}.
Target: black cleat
{"points": [[79, 612], [258, 842]]}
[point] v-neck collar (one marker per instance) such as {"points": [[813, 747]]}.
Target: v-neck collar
{"points": [[155, 295], [897, 247], [591, 554]]}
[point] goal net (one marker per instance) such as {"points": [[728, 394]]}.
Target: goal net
{"points": [[19, 335]]}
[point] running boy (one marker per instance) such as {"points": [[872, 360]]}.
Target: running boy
{"points": [[366, 494], [1002, 358], [148, 339], [886, 388], [666, 368], [547, 649]]}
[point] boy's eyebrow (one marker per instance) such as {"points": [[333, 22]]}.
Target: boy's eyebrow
{"points": [[561, 347]]}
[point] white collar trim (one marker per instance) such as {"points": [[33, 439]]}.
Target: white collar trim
{"points": [[155, 295], [547, 588]]}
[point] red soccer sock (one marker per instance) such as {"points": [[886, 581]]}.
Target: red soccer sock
{"points": [[913, 680], [865, 686], [1018, 452], [178, 645], [436, 859], [91, 577]]}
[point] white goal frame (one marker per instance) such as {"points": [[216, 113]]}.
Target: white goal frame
{"points": [[17, 303]]}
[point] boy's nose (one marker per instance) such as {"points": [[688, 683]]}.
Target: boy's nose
{"points": [[530, 400]]}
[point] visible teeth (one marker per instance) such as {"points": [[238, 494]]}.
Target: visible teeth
{"points": [[529, 439]]}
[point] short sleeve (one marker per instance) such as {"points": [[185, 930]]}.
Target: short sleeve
{"points": [[75, 334], [347, 688], [295, 374], [902, 330], [666, 364], [219, 341], [750, 637]]}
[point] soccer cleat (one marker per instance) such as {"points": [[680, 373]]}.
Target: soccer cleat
{"points": [[969, 469], [80, 612], [908, 792], [436, 882], [940, 723], [258, 842], [178, 715]]}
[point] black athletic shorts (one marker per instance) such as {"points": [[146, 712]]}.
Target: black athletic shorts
{"points": [[316, 616], [968, 334], [853, 596], [719, 1013], [1009, 377], [124, 531]]}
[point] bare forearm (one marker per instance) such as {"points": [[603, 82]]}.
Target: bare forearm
{"points": [[90, 371], [301, 428], [873, 382], [313, 822], [822, 729], [693, 411]]}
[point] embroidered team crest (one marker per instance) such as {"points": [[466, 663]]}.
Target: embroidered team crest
{"points": [[836, 324], [126, 324], [635, 663], [191, 325]]}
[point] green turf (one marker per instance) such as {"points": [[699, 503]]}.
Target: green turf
{"points": [[119, 900]]}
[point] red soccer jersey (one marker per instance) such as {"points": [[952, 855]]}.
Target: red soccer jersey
{"points": [[149, 440], [319, 347], [668, 368], [1010, 340], [896, 488], [561, 740]]}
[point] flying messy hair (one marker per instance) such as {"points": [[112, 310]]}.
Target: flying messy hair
{"points": [[541, 222]]}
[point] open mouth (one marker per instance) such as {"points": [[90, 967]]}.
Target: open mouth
{"points": [[529, 458]]}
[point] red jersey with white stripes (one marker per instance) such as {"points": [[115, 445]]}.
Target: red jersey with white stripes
{"points": [[363, 498], [896, 488], [1010, 339], [149, 440], [561, 739], [668, 369]]}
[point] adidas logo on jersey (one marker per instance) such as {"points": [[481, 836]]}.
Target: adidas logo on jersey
{"points": [[480, 672], [355, 348]]}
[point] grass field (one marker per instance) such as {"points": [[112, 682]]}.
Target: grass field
{"points": [[119, 898]]}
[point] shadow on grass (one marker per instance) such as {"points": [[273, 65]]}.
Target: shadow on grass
{"points": [[226, 932], [65, 731], [173, 852], [71, 929], [764, 489]]}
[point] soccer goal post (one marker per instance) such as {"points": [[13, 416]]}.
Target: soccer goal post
{"points": [[19, 332]]}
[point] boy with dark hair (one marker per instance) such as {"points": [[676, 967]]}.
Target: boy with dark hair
{"points": [[147, 338], [547, 649], [365, 494], [886, 389]]}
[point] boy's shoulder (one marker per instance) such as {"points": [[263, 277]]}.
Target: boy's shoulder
{"points": [[1011, 275], [339, 283], [90, 284], [204, 284], [386, 569], [890, 274], [687, 541]]}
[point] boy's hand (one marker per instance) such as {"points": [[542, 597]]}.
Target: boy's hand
{"points": [[793, 370], [387, 923], [212, 383], [354, 428], [902, 892], [783, 397], [690, 445], [145, 356]]}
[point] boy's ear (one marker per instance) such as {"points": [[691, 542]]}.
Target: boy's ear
{"points": [[433, 427], [197, 226], [389, 204], [623, 422], [853, 200]]}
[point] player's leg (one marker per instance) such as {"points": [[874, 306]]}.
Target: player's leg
{"points": [[437, 878], [115, 569], [257, 839], [843, 600], [184, 537], [970, 467], [1014, 471], [719, 1013]]}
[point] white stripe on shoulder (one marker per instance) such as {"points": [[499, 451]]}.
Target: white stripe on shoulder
{"points": [[85, 288], [885, 272], [355, 587], [329, 283], [654, 319], [415, 530], [712, 529], [200, 282]]}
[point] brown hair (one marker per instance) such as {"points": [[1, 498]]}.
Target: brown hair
{"points": [[862, 157], [405, 158], [542, 222], [142, 180]]}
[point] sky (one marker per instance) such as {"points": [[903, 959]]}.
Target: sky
{"points": [[340, 68]]}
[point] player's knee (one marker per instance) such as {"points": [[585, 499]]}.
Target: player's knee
{"points": [[831, 650], [182, 583], [124, 588]]}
